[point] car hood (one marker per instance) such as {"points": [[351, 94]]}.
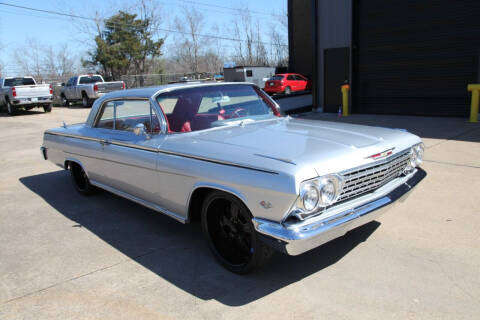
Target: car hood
{"points": [[293, 144]]}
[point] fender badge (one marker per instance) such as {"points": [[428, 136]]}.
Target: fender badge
{"points": [[266, 204], [381, 155]]}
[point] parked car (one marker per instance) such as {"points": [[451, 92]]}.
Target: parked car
{"points": [[287, 83], [87, 88], [24, 93], [221, 151], [218, 77]]}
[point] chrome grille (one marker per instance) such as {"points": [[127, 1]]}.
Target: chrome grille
{"points": [[362, 180]]}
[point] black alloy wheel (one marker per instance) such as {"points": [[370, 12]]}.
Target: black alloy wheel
{"points": [[227, 225]]}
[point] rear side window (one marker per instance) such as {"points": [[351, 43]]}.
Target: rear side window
{"points": [[276, 78], [290, 77], [19, 82], [125, 115], [249, 73], [90, 79]]}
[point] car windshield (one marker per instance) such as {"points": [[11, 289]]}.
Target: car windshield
{"points": [[205, 107], [19, 82], [276, 78], [90, 79]]}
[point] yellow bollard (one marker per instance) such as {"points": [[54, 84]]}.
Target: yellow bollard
{"points": [[475, 89], [345, 89]]}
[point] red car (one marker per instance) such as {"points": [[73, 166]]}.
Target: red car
{"points": [[287, 83]]}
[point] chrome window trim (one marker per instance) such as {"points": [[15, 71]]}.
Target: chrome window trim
{"points": [[161, 119]]}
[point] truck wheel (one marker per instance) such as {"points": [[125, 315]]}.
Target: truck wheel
{"points": [[47, 108], [85, 100], [227, 225], [288, 90], [11, 110], [80, 180], [65, 101]]}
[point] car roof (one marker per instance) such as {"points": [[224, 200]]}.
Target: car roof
{"points": [[148, 92]]}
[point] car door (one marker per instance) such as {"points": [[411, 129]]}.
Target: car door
{"points": [[291, 82], [301, 82], [70, 89], [129, 159]]}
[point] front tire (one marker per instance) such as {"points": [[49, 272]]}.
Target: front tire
{"points": [[227, 225], [288, 90], [80, 180]]}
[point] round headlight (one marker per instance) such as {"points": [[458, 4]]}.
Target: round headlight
{"points": [[419, 150], [328, 192], [309, 195]]}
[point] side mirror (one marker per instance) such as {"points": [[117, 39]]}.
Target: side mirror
{"points": [[140, 130]]}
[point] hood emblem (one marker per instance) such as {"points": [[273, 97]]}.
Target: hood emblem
{"points": [[381, 155]]}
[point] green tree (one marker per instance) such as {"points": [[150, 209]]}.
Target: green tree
{"points": [[124, 46]]}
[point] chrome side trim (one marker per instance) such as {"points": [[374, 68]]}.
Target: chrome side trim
{"points": [[173, 153], [227, 163], [130, 145], [68, 135], [144, 203], [108, 160]]}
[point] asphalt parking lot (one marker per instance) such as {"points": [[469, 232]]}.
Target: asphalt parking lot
{"points": [[64, 256]]}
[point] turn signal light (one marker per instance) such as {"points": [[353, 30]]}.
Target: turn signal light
{"points": [[14, 92], [95, 87], [51, 89]]}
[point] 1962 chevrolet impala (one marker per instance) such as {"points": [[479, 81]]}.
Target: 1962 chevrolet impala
{"points": [[223, 152]]}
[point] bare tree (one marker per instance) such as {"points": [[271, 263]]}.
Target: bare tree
{"points": [[279, 40], [44, 62], [189, 45], [29, 59], [250, 50]]}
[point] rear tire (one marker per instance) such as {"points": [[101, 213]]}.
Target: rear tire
{"points": [[227, 225], [11, 110], [288, 90], [65, 101], [85, 100], [47, 108], [80, 180]]}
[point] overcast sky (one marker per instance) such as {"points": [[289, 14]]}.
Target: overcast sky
{"points": [[19, 26]]}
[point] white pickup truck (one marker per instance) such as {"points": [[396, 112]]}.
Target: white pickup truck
{"points": [[24, 93], [87, 88]]}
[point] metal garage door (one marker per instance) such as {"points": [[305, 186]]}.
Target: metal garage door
{"points": [[415, 57]]}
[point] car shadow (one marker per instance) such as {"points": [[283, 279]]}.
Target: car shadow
{"points": [[35, 111], [178, 253]]}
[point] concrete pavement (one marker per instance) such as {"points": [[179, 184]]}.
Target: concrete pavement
{"points": [[64, 256]]}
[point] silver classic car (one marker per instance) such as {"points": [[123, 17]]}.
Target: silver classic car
{"points": [[258, 181]]}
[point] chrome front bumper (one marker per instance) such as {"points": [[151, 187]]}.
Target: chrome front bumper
{"points": [[295, 239]]}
